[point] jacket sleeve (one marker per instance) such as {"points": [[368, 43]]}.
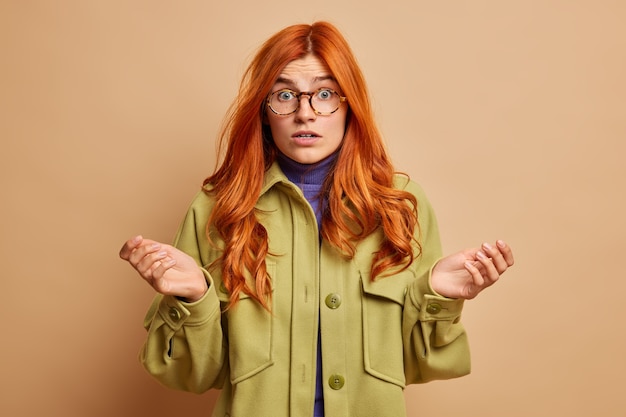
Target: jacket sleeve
{"points": [[186, 348], [435, 342]]}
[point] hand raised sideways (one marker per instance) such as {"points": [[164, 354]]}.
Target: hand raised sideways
{"points": [[168, 270], [466, 273]]}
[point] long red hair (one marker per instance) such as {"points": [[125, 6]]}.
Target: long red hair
{"points": [[361, 198]]}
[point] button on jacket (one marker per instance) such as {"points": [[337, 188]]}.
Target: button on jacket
{"points": [[377, 336]]}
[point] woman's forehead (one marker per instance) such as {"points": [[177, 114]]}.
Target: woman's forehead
{"points": [[308, 69]]}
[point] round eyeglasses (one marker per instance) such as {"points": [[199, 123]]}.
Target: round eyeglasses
{"points": [[323, 101]]}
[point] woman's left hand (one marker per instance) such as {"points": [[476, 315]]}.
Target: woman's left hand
{"points": [[465, 274]]}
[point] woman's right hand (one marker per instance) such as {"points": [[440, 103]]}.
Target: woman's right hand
{"points": [[168, 270]]}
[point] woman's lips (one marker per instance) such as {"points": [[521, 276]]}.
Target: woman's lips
{"points": [[305, 138]]}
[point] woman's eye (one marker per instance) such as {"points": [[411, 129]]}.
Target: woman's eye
{"points": [[324, 94], [286, 95]]}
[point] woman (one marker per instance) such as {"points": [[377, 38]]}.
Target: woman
{"points": [[307, 277]]}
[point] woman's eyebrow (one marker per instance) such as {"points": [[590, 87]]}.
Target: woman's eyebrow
{"points": [[283, 80], [290, 83], [323, 78]]}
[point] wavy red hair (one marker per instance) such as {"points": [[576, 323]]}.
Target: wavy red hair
{"points": [[360, 194]]}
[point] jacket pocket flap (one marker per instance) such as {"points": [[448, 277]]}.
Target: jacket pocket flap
{"points": [[392, 287]]}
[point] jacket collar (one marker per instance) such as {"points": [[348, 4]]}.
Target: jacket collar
{"points": [[273, 176]]}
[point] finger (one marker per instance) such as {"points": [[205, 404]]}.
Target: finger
{"points": [[496, 256], [506, 251], [158, 282], [151, 261], [477, 276], [144, 249], [129, 246], [471, 289], [491, 272]]}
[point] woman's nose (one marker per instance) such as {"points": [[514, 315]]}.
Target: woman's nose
{"points": [[305, 110]]}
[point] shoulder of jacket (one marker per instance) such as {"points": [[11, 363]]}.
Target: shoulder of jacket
{"points": [[202, 200], [405, 183]]}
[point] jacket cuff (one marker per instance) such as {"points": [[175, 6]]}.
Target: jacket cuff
{"points": [[433, 306], [176, 312]]}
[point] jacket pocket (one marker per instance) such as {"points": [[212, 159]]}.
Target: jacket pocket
{"points": [[250, 335], [382, 305]]}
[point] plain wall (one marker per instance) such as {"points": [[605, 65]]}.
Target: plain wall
{"points": [[511, 114]]}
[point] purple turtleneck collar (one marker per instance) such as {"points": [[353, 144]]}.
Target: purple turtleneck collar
{"points": [[300, 174], [309, 178]]}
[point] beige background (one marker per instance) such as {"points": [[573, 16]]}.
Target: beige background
{"points": [[511, 114]]}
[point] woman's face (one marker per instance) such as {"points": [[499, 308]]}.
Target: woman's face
{"points": [[305, 136]]}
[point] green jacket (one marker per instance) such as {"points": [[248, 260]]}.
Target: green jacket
{"points": [[376, 336]]}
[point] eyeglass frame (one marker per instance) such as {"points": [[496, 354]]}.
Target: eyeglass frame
{"points": [[299, 95]]}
